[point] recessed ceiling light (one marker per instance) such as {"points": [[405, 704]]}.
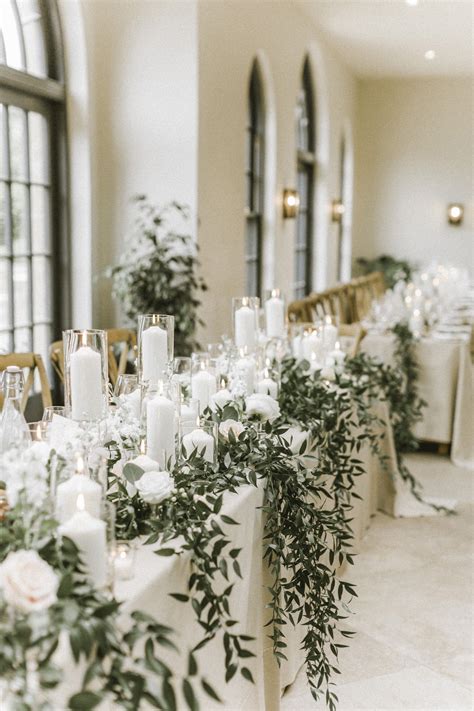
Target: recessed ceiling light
{"points": [[412, 3], [430, 54]]}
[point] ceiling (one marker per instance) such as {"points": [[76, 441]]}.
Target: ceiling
{"points": [[380, 38]]}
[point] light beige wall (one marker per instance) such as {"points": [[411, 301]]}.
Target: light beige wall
{"points": [[414, 155], [142, 63], [231, 34]]}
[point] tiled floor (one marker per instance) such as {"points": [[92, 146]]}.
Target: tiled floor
{"points": [[414, 615]]}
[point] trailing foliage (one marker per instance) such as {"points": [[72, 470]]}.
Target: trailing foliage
{"points": [[158, 270], [392, 269], [84, 623]]}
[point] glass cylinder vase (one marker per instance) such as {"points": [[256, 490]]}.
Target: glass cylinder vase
{"points": [[86, 374], [155, 346], [245, 316]]}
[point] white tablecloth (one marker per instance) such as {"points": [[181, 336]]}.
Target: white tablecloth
{"points": [[445, 383]]}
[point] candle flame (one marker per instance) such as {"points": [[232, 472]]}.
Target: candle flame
{"points": [[81, 503], [80, 465], [84, 338], [337, 346], [143, 447], [222, 383], [39, 432]]}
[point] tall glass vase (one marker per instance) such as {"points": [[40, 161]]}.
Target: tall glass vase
{"points": [[86, 374]]}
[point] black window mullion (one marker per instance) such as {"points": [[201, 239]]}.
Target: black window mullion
{"points": [[28, 232], [9, 224]]}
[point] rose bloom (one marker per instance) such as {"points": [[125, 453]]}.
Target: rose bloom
{"points": [[28, 583], [263, 406], [228, 426], [220, 399], [154, 487]]}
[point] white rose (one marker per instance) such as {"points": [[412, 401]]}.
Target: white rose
{"points": [[220, 399], [228, 426], [264, 406], [28, 582], [154, 487]]}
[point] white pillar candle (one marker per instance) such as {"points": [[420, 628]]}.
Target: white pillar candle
{"points": [[267, 386], [203, 386], [68, 491], [160, 416], [154, 353], [330, 336], [87, 396], [88, 533], [275, 317], [246, 368], [200, 440], [245, 328], [123, 565]]}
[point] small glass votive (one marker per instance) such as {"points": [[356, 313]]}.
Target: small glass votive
{"points": [[126, 384], [123, 557], [275, 314], [53, 410], [245, 319], [268, 382], [244, 372], [38, 431], [86, 379], [199, 438], [155, 346], [182, 374]]}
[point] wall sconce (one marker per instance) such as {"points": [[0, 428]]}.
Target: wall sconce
{"points": [[455, 213], [337, 210], [291, 202]]}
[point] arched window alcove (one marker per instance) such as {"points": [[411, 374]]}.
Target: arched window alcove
{"points": [[34, 286]]}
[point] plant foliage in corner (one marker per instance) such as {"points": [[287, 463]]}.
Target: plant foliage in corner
{"points": [[158, 270], [392, 269]]}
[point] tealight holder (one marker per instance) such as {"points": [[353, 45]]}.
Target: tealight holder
{"points": [[51, 411], [155, 347], [127, 383], [123, 557], [182, 375], [275, 314], [203, 380], [86, 374], [307, 342], [245, 319], [268, 382], [198, 438], [38, 431]]}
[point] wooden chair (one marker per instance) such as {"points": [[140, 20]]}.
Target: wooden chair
{"points": [[355, 333], [123, 340], [300, 311], [31, 362]]}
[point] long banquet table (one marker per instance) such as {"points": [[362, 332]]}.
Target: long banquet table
{"points": [[446, 384]]}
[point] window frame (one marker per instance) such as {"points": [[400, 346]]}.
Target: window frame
{"points": [[306, 170], [46, 96], [255, 180]]}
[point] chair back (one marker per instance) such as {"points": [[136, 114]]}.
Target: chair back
{"points": [[121, 342], [31, 363], [353, 333]]}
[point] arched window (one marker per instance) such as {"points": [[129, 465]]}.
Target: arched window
{"points": [[306, 159], [255, 183], [33, 288]]}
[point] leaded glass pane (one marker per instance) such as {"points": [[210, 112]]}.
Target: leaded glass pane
{"points": [[40, 220], [20, 218], [30, 16], [42, 306], [21, 292]]}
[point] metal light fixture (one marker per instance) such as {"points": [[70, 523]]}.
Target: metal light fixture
{"points": [[291, 202], [337, 210], [455, 213]]}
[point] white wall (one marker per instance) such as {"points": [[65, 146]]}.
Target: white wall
{"points": [[231, 35], [414, 155], [142, 59]]}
